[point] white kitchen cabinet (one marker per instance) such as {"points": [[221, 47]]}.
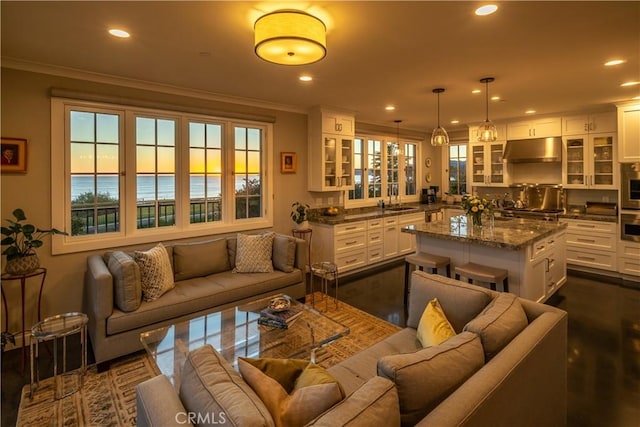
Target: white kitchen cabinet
{"points": [[407, 241], [590, 123], [629, 133], [546, 269], [375, 241], [390, 237], [344, 244], [591, 244], [486, 166], [629, 258], [589, 161], [330, 161], [539, 128]]}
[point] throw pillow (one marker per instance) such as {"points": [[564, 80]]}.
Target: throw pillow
{"points": [[294, 391], [200, 259], [210, 385], [155, 272], [427, 377], [434, 328], [126, 281], [253, 253], [499, 323], [284, 253]]}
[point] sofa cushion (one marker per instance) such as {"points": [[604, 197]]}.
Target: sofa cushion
{"points": [[254, 252], [499, 323], [156, 275], [126, 281], [209, 385], [375, 403], [462, 302], [200, 259], [434, 328], [426, 377], [294, 391], [284, 253]]}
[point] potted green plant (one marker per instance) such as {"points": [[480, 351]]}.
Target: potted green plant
{"points": [[300, 215], [22, 240]]}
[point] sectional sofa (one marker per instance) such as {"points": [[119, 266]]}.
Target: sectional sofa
{"points": [[506, 366], [204, 280]]}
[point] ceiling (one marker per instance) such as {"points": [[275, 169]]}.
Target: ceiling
{"points": [[546, 56]]}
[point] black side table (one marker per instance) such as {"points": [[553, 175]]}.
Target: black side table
{"points": [[6, 277]]}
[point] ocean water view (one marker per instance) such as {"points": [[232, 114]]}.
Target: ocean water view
{"points": [[145, 186]]}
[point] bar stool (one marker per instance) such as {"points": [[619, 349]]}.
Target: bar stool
{"points": [[483, 273], [423, 260]]}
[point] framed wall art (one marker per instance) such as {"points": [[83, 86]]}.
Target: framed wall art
{"points": [[288, 162], [13, 155]]}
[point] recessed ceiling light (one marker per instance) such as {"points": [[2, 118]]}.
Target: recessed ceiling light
{"points": [[625, 84], [530, 112], [455, 122], [495, 98], [389, 108], [614, 62], [487, 9], [305, 78], [476, 91], [117, 32]]}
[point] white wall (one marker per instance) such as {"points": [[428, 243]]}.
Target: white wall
{"points": [[25, 113]]}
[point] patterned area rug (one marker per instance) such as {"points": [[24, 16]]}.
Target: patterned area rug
{"points": [[108, 398]]}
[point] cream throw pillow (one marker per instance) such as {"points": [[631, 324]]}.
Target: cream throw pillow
{"points": [[434, 328], [253, 253], [156, 275], [294, 391]]}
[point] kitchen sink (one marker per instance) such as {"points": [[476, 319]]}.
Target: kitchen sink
{"points": [[401, 208]]}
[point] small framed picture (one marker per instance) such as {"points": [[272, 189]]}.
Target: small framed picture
{"points": [[13, 155], [288, 162]]}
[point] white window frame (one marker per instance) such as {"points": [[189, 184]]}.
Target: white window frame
{"points": [[404, 198], [446, 172], [129, 234]]}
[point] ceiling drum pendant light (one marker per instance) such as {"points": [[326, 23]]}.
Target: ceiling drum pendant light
{"points": [[487, 131], [439, 136], [290, 37]]}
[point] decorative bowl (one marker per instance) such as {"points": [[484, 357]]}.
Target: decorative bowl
{"points": [[279, 304]]}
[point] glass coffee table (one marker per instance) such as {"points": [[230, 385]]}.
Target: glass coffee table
{"points": [[235, 332]]}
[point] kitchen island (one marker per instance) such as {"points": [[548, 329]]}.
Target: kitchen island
{"points": [[532, 251]]}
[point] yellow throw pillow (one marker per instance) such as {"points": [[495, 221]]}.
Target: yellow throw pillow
{"points": [[434, 328], [294, 391]]}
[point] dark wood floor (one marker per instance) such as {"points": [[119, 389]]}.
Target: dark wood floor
{"points": [[603, 352]]}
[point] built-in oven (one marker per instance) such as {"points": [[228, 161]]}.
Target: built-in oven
{"points": [[630, 226], [630, 175]]}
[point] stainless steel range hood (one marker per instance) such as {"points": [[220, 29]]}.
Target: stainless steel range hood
{"points": [[534, 150]]}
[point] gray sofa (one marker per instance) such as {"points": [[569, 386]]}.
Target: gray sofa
{"points": [[506, 366], [204, 281]]}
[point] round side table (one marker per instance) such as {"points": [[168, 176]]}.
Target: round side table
{"points": [[6, 277], [53, 328]]}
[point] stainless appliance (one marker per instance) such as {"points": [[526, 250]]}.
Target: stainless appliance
{"points": [[630, 175], [429, 195], [536, 150], [630, 227], [537, 201]]}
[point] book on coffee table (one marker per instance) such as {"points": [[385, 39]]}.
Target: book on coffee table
{"points": [[282, 317]]}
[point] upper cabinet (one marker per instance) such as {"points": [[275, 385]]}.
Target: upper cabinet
{"points": [[538, 128], [592, 123], [629, 133], [589, 161], [486, 166], [330, 165]]}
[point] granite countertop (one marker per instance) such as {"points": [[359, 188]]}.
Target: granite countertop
{"points": [[363, 214], [511, 234]]}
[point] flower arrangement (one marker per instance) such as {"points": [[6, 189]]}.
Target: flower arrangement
{"points": [[475, 206]]}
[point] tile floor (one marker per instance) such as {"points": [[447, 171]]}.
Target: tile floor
{"points": [[603, 351]]}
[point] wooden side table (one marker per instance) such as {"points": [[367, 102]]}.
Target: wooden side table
{"points": [[23, 281], [305, 234]]}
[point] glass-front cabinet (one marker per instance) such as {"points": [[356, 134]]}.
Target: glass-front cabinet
{"points": [[338, 165], [487, 167], [589, 161]]}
